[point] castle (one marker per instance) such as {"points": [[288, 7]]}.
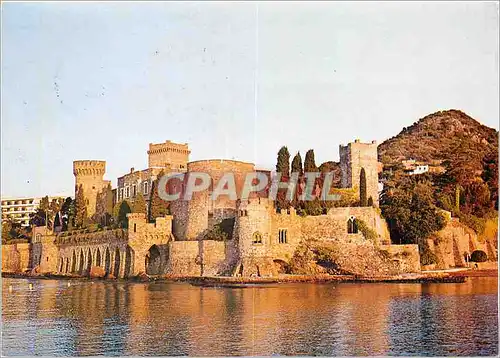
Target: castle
{"points": [[261, 241]]}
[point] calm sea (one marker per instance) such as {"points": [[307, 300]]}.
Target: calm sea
{"points": [[111, 318]]}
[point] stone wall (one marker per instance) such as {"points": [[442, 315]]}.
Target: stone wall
{"points": [[279, 234], [16, 257], [184, 258], [355, 156], [453, 242], [406, 257], [194, 217], [143, 235]]}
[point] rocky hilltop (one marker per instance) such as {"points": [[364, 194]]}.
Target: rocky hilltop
{"points": [[438, 136]]}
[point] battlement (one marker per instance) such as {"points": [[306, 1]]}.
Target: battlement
{"points": [[168, 146], [89, 167], [357, 144], [168, 155]]}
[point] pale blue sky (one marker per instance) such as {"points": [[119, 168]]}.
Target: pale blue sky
{"points": [[234, 80]]}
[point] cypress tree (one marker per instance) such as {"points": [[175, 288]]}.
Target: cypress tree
{"points": [[362, 188], [80, 208], [283, 167], [139, 205], [283, 163], [122, 214], [157, 206], [309, 162], [297, 165]]}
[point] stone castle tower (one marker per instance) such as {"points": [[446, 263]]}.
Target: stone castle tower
{"points": [[355, 156], [89, 174], [168, 154]]}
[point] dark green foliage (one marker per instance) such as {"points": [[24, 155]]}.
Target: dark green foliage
{"points": [[104, 207], [309, 162], [80, 209], [283, 167], [427, 257], [157, 206], [122, 214], [362, 188], [283, 162], [46, 212], [297, 164], [367, 232], [68, 214], [139, 205], [410, 211], [469, 153], [478, 256], [222, 231], [313, 207], [13, 232]]}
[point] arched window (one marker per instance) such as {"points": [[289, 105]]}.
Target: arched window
{"points": [[352, 225], [257, 238]]}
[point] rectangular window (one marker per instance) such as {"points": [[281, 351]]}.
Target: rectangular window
{"points": [[134, 190], [120, 196], [282, 236], [146, 187]]}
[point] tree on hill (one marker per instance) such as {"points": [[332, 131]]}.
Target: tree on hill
{"points": [[410, 212], [362, 188], [80, 208]]}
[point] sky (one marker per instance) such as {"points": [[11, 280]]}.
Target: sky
{"points": [[234, 80]]}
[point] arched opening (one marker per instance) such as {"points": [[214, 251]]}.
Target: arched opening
{"points": [[98, 257], [73, 262], [153, 261], [129, 264], [107, 261], [352, 225], [89, 261], [281, 266], [116, 270], [67, 265], [82, 260]]}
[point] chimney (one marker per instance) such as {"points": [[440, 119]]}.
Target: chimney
{"points": [[356, 141], [131, 170]]}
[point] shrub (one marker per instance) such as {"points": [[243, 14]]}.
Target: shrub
{"points": [[427, 257], [367, 232], [478, 256]]}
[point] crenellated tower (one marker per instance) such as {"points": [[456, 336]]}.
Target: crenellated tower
{"points": [[89, 174], [355, 156]]}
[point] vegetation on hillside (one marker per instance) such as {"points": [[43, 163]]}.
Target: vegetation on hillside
{"points": [[468, 188]]}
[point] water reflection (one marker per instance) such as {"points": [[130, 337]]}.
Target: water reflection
{"points": [[106, 318]]}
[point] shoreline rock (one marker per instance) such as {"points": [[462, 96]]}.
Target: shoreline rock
{"points": [[226, 281]]}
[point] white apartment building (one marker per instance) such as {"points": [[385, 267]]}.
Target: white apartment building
{"points": [[19, 209]]}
